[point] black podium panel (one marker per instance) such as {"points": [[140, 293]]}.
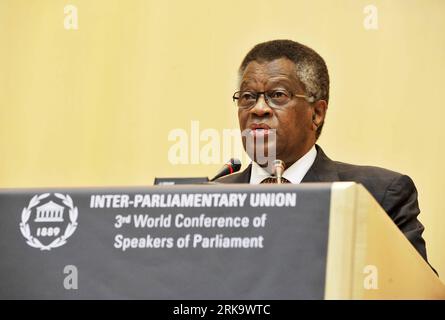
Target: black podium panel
{"points": [[165, 242]]}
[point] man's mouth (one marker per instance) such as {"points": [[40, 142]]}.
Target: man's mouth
{"points": [[260, 129]]}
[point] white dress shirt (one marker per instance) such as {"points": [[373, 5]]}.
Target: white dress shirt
{"points": [[295, 173]]}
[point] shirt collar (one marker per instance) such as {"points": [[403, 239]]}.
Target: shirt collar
{"points": [[295, 173]]}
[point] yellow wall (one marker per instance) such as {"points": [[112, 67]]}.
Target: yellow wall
{"points": [[94, 106]]}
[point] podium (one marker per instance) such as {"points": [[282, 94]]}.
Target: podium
{"points": [[307, 241], [363, 240]]}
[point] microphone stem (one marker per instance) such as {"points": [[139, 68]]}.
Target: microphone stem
{"points": [[279, 168]]}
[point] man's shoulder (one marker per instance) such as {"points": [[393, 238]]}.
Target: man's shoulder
{"points": [[377, 180], [394, 191], [364, 172]]}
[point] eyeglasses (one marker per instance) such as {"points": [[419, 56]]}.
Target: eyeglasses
{"points": [[274, 98]]}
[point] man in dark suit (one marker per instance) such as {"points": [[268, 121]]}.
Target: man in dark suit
{"points": [[282, 103]]}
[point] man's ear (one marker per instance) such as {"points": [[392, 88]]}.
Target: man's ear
{"points": [[320, 108]]}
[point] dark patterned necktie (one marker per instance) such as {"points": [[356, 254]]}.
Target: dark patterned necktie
{"points": [[274, 180]]}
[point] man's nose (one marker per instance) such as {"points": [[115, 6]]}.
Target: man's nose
{"points": [[261, 108]]}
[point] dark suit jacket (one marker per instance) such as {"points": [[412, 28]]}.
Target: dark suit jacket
{"points": [[395, 192]]}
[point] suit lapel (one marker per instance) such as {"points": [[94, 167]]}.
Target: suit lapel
{"points": [[244, 176], [323, 169]]}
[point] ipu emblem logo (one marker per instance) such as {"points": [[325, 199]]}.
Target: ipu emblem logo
{"points": [[48, 221]]}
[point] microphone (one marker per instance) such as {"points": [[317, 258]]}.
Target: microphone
{"points": [[278, 169], [233, 165]]}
